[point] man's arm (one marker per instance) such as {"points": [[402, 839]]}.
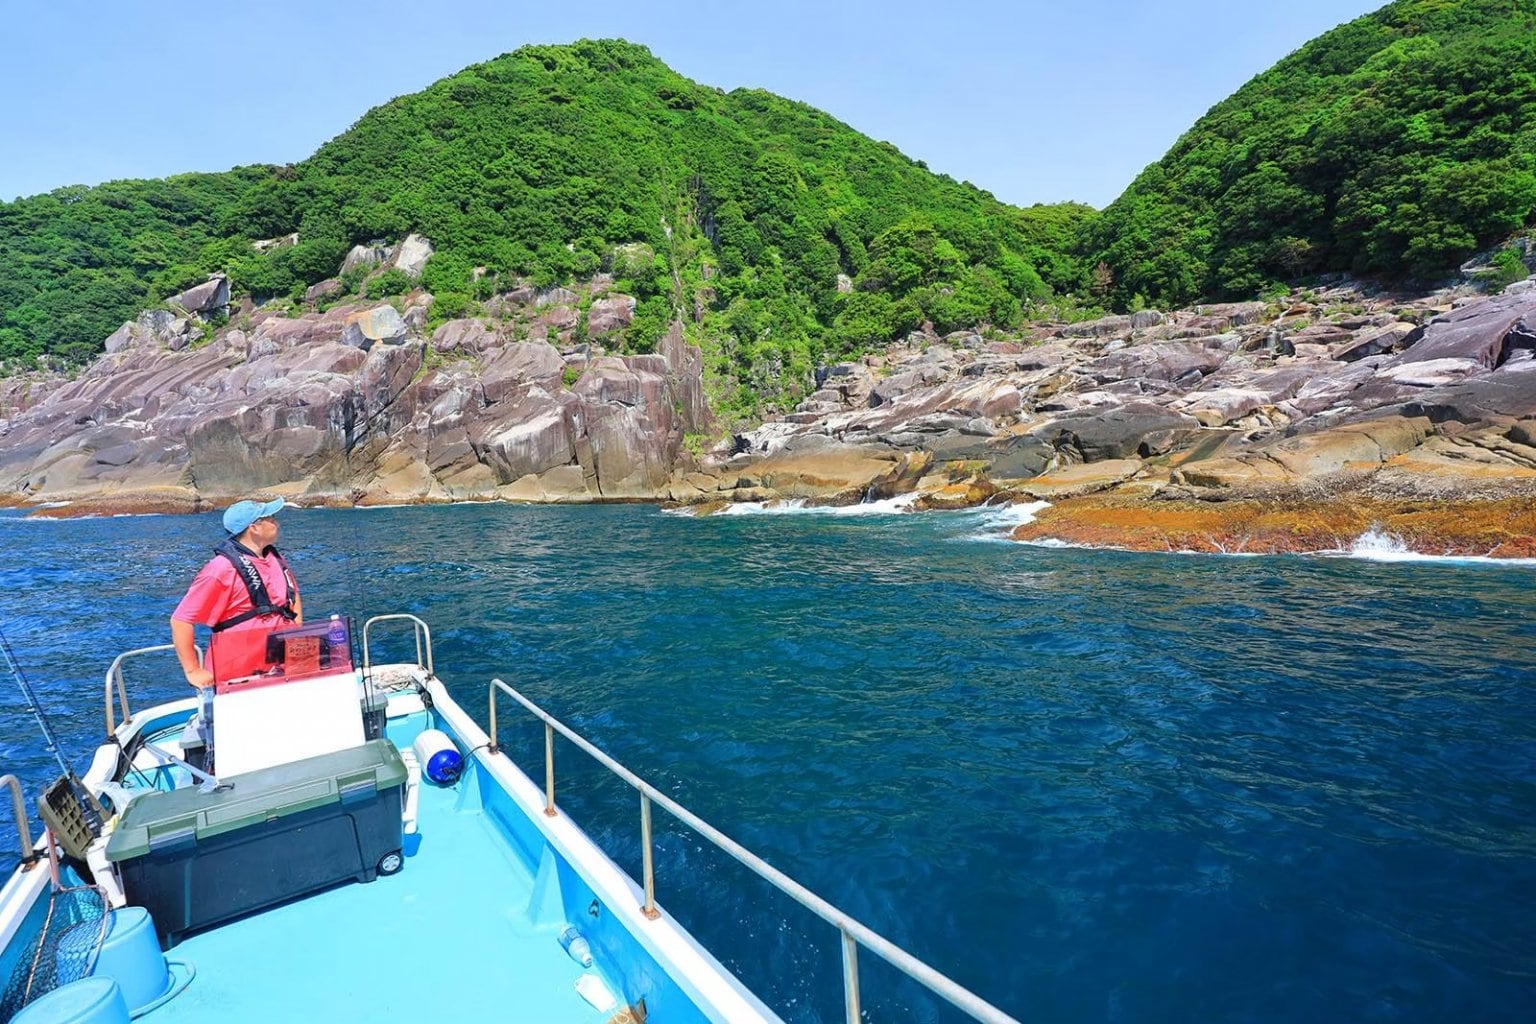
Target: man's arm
{"points": [[184, 638], [298, 609]]}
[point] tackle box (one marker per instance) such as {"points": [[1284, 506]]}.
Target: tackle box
{"points": [[193, 858]]}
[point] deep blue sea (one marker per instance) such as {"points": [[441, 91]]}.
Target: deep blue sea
{"points": [[1092, 786]]}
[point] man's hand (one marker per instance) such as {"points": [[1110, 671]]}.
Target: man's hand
{"points": [[184, 640]]}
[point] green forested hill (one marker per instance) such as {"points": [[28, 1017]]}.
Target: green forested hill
{"points": [[1395, 145], [539, 164]]}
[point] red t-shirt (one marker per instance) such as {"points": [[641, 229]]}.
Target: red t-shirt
{"points": [[216, 594]]}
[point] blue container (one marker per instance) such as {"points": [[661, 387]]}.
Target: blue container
{"points": [[88, 1001], [130, 955]]}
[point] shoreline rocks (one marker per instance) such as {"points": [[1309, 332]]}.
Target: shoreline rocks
{"points": [[1307, 404], [1495, 527]]}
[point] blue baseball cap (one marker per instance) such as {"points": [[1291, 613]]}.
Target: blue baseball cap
{"points": [[239, 516]]}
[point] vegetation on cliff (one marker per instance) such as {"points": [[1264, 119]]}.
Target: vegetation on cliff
{"points": [[1394, 145], [742, 206]]}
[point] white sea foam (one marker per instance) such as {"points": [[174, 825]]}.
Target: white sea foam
{"points": [[898, 505], [997, 522], [1376, 545]]}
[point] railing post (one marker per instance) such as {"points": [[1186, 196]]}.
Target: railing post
{"points": [[852, 933], [850, 977], [549, 771], [23, 826], [494, 748], [649, 910]]}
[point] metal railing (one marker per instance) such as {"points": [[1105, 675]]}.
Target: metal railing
{"points": [[853, 933], [116, 684], [423, 634], [19, 809]]}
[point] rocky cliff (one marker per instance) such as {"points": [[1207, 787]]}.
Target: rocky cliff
{"points": [[356, 404], [1378, 405], [1342, 396]]}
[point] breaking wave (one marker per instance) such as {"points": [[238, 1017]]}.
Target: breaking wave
{"points": [[898, 505], [1377, 545], [997, 522]]}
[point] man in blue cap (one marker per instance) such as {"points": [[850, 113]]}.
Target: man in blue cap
{"points": [[246, 587]]}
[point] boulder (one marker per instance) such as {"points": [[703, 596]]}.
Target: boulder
{"points": [[1221, 406], [411, 255], [1429, 373], [1163, 360], [1508, 394], [209, 299], [559, 485], [364, 256], [1484, 332], [532, 436], [1322, 334], [379, 324], [520, 363], [280, 242], [556, 297], [1393, 337], [608, 314], [323, 290], [888, 390], [1352, 449], [1104, 327], [1076, 480], [468, 336], [120, 338], [850, 471], [1010, 457], [1136, 429]]}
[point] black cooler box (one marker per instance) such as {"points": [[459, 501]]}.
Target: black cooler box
{"points": [[193, 859]]}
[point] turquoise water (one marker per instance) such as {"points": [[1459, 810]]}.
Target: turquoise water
{"points": [[1092, 786]]}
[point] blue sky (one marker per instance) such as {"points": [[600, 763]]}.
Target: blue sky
{"points": [[1034, 101]]}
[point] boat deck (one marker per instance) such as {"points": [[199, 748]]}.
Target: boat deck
{"points": [[447, 938]]}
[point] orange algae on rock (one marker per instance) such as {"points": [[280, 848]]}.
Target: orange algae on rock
{"points": [[1503, 528]]}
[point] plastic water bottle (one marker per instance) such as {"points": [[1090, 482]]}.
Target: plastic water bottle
{"points": [[337, 638], [572, 942]]}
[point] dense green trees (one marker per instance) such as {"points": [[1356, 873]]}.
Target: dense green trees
{"points": [[541, 164], [1395, 145]]}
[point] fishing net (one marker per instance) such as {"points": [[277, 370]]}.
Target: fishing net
{"points": [[74, 924]]}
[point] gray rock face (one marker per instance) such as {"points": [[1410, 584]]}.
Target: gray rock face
{"points": [[364, 256], [411, 255], [210, 298], [354, 401], [380, 324], [609, 314], [343, 403], [1127, 431], [1485, 332], [467, 336], [1166, 360]]}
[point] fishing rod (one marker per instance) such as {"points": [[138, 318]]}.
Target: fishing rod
{"points": [[87, 803]]}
